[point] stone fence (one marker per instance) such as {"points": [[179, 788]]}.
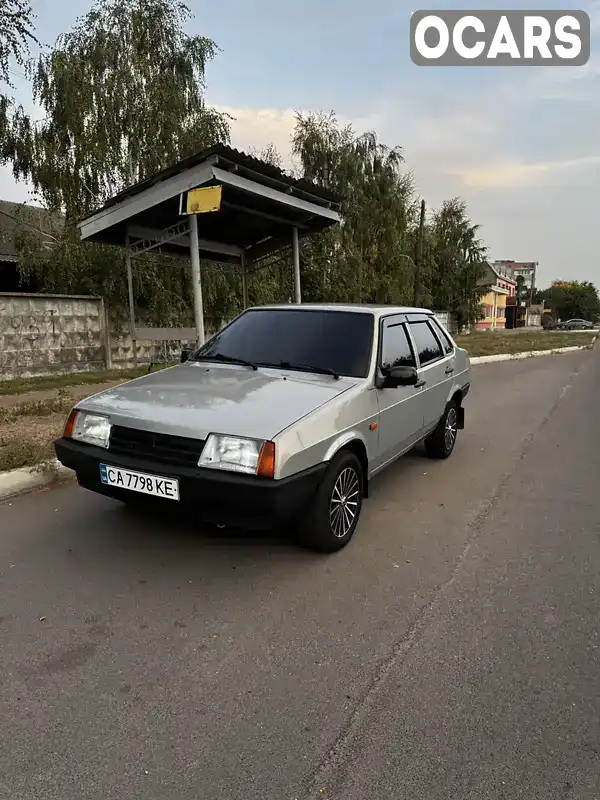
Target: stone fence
{"points": [[43, 334]]}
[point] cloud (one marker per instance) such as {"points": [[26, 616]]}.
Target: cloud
{"points": [[514, 176], [478, 144], [253, 128]]}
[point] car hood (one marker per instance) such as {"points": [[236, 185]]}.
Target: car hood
{"points": [[196, 399]]}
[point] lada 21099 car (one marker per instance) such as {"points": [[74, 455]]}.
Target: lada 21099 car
{"points": [[280, 420]]}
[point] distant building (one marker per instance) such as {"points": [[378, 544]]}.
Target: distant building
{"points": [[514, 269], [500, 289], [13, 218]]}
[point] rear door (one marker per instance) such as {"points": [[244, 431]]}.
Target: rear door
{"points": [[400, 409], [435, 364]]}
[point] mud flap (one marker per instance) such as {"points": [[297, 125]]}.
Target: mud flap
{"points": [[460, 424]]}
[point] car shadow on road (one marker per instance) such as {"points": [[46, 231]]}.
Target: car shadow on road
{"points": [[147, 539], [413, 461], [183, 529], [125, 546]]}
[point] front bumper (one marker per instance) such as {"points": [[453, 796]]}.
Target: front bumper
{"points": [[222, 498]]}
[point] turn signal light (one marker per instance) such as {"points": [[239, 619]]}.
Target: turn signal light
{"points": [[266, 461], [68, 432]]}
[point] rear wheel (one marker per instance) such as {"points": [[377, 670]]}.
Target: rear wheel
{"points": [[333, 518], [440, 444]]}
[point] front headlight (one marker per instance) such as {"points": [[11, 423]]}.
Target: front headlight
{"points": [[236, 454], [91, 429]]}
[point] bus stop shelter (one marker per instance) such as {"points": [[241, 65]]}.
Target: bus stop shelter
{"points": [[254, 210]]}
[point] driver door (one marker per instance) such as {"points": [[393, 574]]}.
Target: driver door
{"points": [[401, 417]]}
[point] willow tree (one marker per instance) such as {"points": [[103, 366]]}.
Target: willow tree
{"points": [[366, 258], [16, 34], [458, 259], [123, 96]]}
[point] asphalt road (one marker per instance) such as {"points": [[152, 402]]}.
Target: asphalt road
{"points": [[450, 652]]}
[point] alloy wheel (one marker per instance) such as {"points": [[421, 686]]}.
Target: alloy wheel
{"points": [[451, 428], [343, 506]]}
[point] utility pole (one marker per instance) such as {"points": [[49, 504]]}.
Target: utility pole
{"points": [[419, 258]]}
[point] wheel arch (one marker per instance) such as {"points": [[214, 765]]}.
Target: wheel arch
{"points": [[353, 443], [457, 396]]}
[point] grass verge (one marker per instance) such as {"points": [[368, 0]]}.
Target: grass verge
{"points": [[37, 408], [28, 430], [17, 453], [491, 343], [22, 385]]}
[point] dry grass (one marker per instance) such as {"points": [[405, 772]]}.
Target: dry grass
{"points": [[27, 441], [28, 430], [22, 385], [490, 343], [37, 409]]}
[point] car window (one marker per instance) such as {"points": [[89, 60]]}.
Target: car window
{"points": [[341, 341], [447, 344], [427, 345], [396, 350]]}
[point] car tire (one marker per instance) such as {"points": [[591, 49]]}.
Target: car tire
{"points": [[333, 518], [440, 444]]}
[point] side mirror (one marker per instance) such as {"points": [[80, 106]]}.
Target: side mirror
{"points": [[185, 354], [399, 376]]}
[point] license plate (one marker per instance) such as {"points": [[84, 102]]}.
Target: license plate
{"points": [[154, 485]]}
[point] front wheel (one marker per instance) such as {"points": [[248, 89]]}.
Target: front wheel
{"points": [[440, 444], [333, 518]]}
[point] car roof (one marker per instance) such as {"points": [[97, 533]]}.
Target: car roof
{"points": [[376, 310]]}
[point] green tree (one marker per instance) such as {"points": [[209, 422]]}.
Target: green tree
{"points": [[457, 261], [364, 259], [16, 34], [573, 299], [520, 288], [123, 96]]}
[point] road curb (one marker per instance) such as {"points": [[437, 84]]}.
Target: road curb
{"points": [[27, 479], [529, 354]]}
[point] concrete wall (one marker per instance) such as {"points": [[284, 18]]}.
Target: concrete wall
{"points": [[42, 334], [45, 334], [447, 320]]}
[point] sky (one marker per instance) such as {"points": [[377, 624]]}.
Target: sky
{"points": [[520, 144]]}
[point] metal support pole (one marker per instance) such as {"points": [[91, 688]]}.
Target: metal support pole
{"points": [[131, 305], [246, 299], [196, 280], [105, 334], [418, 290], [296, 260]]}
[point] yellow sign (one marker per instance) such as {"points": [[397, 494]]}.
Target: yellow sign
{"points": [[204, 200]]}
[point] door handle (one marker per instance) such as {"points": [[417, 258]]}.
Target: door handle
{"points": [[449, 370], [420, 384]]}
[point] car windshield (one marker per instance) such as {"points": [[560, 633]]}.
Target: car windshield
{"points": [[337, 342]]}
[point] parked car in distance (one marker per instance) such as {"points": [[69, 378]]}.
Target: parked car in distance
{"points": [[281, 419], [575, 325]]}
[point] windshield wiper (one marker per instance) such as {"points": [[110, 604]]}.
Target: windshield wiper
{"points": [[228, 360], [309, 368]]}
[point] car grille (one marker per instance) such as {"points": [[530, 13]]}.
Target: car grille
{"points": [[160, 447]]}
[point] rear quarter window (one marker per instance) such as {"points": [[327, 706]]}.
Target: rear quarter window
{"points": [[442, 336], [427, 345]]}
